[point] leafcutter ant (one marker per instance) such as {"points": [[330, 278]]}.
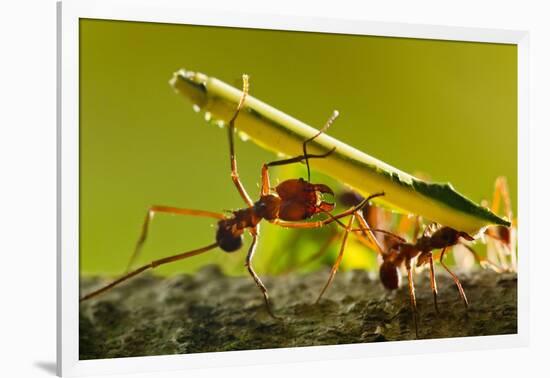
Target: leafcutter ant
{"points": [[396, 252], [403, 253], [287, 205]]}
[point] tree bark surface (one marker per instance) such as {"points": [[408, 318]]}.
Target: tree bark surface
{"points": [[210, 312]]}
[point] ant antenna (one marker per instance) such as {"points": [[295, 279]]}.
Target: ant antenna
{"points": [[231, 127], [360, 207], [245, 93], [356, 209], [151, 265], [334, 219], [385, 232], [334, 115]]}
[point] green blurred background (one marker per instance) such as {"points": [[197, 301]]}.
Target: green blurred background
{"points": [[445, 109]]}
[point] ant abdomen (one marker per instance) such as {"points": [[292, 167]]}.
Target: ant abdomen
{"points": [[229, 239], [390, 275]]}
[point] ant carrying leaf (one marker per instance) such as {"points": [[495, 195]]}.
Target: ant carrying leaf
{"points": [[289, 204]]}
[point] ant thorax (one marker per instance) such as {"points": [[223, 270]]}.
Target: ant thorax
{"points": [[230, 230], [404, 251], [268, 207], [424, 244]]}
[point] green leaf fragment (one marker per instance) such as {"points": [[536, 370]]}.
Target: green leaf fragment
{"points": [[276, 131]]}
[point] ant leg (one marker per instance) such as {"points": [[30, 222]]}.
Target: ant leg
{"points": [[151, 265], [266, 184], [501, 193], [167, 210], [482, 261], [497, 249], [432, 281], [404, 226], [412, 295], [232, 158], [298, 159], [338, 259], [366, 236], [455, 278], [502, 186], [364, 240], [332, 218], [366, 229], [372, 240], [304, 145], [364, 233], [255, 232], [416, 228]]}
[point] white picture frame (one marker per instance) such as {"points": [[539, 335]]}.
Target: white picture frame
{"points": [[69, 13]]}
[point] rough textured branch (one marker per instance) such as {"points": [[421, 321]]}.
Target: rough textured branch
{"points": [[210, 312]]}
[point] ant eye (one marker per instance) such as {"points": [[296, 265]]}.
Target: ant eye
{"points": [[449, 235]]}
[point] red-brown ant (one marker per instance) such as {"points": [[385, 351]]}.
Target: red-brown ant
{"points": [[397, 252], [286, 205], [402, 253]]}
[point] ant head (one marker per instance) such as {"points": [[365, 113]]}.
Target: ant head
{"points": [[444, 237], [301, 200], [447, 237], [228, 237], [350, 198], [466, 236], [390, 276], [501, 233]]}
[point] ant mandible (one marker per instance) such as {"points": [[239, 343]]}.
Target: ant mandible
{"points": [[290, 202]]}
